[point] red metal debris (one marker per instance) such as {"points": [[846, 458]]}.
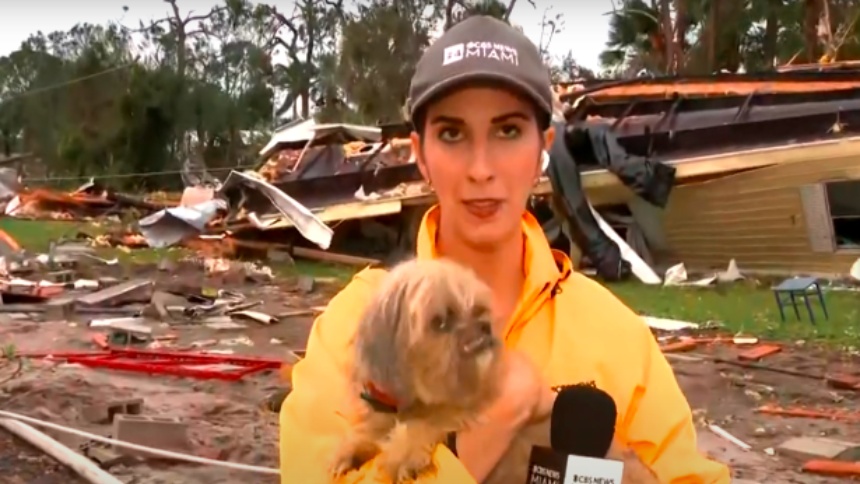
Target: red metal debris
{"points": [[170, 363]]}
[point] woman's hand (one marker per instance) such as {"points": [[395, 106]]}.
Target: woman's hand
{"points": [[524, 398], [635, 471]]}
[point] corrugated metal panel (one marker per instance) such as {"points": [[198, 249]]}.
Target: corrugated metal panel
{"points": [[816, 217]]}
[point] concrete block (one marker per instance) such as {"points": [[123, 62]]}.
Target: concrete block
{"points": [[101, 413], [106, 458], [61, 276], [808, 448], [60, 308], [164, 433]]}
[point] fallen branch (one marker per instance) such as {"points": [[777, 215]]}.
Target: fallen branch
{"points": [[62, 454]]}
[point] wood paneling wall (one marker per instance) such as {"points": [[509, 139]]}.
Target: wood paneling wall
{"points": [[756, 217]]}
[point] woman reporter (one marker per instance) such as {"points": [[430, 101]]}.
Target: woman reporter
{"points": [[481, 105]]}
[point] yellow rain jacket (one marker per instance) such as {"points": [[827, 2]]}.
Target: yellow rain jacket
{"points": [[571, 327]]}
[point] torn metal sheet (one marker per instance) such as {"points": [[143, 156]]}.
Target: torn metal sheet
{"points": [[639, 267], [309, 130], [10, 183], [172, 225], [311, 227], [12, 207], [335, 213]]}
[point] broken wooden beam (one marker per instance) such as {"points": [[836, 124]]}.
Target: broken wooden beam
{"points": [[759, 352], [832, 468], [323, 256], [135, 290]]}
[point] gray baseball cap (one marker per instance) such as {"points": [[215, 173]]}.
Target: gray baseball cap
{"points": [[481, 48]]}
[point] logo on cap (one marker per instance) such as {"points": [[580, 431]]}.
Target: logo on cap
{"points": [[481, 50]]}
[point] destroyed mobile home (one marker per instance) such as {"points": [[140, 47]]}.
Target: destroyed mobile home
{"points": [[755, 169], [649, 173]]}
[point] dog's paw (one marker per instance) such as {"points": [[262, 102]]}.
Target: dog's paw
{"points": [[405, 464], [350, 456]]}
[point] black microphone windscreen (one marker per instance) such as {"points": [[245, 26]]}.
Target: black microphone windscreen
{"points": [[583, 421]]}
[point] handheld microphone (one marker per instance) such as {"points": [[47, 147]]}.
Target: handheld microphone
{"points": [[582, 426]]}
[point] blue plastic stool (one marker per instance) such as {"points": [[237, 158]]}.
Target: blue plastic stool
{"points": [[789, 290]]}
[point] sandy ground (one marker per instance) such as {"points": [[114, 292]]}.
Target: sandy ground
{"points": [[228, 421], [727, 396]]}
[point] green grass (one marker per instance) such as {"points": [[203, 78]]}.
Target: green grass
{"points": [[36, 235], [748, 308], [340, 273]]}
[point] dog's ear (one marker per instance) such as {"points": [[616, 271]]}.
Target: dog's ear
{"points": [[383, 339]]}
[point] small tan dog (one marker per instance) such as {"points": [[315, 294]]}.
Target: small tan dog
{"points": [[426, 365]]}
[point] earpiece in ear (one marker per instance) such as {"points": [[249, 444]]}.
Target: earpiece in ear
{"points": [[544, 161]]}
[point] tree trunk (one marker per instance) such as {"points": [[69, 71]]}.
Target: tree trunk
{"points": [[712, 35], [308, 65], [682, 23], [729, 56], [668, 53], [508, 11], [811, 14], [771, 32], [449, 14]]}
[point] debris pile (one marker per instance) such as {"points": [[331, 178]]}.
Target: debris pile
{"points": [[782, 405], [188, 358]]}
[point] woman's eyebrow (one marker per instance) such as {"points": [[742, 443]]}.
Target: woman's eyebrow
{"points": [[442, 119], [513, 115], [447, 120]]}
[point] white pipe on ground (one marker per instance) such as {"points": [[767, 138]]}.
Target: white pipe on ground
{"points": [[140, 448], [64, 455]]}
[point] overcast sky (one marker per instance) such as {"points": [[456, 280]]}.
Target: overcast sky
{"points": [[584, 32]]}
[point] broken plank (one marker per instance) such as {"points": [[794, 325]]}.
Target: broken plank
{"points": [[807, 448], [295, 313], [843, 382], [759, 352], [687, 358], [323, 256], [832, 468], [679, 346], [133, 290], [22, 308]]}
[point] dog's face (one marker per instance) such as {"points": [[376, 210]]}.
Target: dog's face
{"points": [[438, 320]]}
